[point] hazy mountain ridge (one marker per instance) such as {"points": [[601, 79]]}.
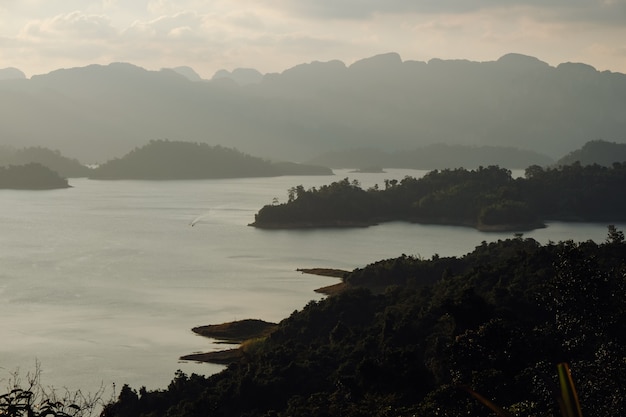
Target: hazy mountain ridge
{"points": [[596, 152], [186, 72], [11, 74], [99, 112], [435, 156], [241, 76], [65, 167]]}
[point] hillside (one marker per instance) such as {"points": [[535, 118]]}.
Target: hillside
{"points": [[175, 160], [430, 328], [100, 112], [31, 176], [596, 152], [65, 167]]}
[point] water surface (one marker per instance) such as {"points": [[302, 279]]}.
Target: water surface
{"points": [[101, 283]]}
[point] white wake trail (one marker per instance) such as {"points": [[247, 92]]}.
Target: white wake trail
{"points": [[197, 219]]}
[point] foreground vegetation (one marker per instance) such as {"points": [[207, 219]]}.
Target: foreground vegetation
{"points": [[26, 396], [486, 198], [409, 333]]}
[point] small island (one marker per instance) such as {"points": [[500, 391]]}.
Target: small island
{"points": [[488, 199], [32, 176], [177, 160]]}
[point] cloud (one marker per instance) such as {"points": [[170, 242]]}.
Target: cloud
{"points": [[165, 26], [74, 25], [608, 11], [272, 35]]}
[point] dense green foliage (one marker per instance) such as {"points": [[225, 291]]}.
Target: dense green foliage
{"points": [[65, 167], [174, 160], [497, 320], [487, 198], [31, 176]]}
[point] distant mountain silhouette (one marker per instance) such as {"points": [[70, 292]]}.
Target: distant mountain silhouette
{"points": [[436, 156], [175, 160], [65, 167], [188, 73], [11, 74], [241, 76], [596, 152], [97, 112]]}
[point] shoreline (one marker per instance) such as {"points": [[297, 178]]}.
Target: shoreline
{"points": [[507, 227], [240, 331]]}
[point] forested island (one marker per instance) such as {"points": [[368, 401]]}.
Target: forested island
{"points": [[177, 160], [486, 198], [408, 334], [64, 166], [32, 176]]}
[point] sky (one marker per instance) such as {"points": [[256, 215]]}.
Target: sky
{"points": [[39, 36]]}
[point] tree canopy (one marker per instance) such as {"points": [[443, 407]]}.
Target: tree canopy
{"points": [[487, 198], [32, 176], [410, 332], [175, 160]]}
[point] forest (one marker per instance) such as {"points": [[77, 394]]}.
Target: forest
{"points": [[177, 160], [486, 198], [31, 176], [411, 336]]}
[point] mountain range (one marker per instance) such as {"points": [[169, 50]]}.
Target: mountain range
{"points": [[99, 112]]}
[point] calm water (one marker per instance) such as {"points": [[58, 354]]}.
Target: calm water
{"points": [[101, 283]]}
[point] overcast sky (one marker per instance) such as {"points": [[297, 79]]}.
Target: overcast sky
{"points": [[38, 36]]}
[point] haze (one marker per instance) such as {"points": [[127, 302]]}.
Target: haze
{"points": [[39, 36], [98, 112]]}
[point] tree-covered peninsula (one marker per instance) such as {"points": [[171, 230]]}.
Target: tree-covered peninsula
{"points": [[408, 335], [485, 198], [177, 160], [32, 176]]}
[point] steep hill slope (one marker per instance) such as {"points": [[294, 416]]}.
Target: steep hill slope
{"points": [[596, 152]]}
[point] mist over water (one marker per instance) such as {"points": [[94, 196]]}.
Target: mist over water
{"points": [[101, 283]]}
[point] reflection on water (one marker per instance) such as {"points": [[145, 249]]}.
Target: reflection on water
{"points": [[102, 282]]}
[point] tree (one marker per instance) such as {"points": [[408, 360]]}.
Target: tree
{"points": [[615, 236], [29, 398]]}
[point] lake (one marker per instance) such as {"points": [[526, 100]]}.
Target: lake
{"points": [[101, 283]]}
